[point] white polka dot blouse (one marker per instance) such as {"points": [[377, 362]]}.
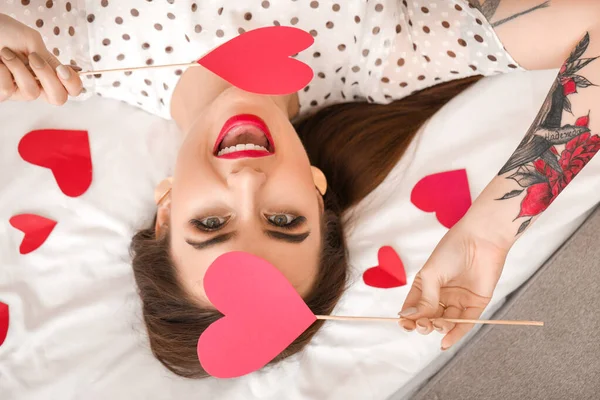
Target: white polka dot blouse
{"points": [[373, 50]]}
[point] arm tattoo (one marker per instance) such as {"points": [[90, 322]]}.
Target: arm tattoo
{"points": [[552, 153], [489, 7]]}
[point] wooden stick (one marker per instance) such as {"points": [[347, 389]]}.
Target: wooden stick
{"points": [[453, 320], [102, 71]]}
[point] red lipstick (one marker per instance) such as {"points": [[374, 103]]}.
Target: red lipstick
{"points": [[248, 132]]}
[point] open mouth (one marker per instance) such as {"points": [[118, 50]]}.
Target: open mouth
{"points": [[244, 136]]}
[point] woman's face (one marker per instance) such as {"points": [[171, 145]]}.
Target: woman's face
{"points": [[243, 182]]}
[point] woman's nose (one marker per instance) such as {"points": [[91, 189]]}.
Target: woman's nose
{"points": [[246, 179]]}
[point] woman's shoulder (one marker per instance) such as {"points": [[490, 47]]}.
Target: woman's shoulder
{"points": [[436, 43], [409, 45]]}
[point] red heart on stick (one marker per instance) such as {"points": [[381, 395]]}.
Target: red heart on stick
{"points": [[36, 230], [263, 315], [259, 61], [4, 321], [389, 273], [446, 194], [65, 152]]}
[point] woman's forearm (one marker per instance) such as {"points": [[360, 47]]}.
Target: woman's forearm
{"points": [[560, 142]]}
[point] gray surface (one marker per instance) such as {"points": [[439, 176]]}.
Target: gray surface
{"points": [[558, 361]]}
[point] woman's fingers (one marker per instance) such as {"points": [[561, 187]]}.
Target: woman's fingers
{"points": [[443, 326], [407, 324], [70, 79], [421, 303], [410, 307], [424, 326], [54, 90], [27, 86], [419, 307], [26, 78], [461, 330], [58, 80], [428, 303], [7, 86]]}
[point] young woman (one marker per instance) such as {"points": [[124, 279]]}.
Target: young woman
{"points": [[243, 178]]}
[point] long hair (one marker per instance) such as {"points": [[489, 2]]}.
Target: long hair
{"points": [[356, 145]]}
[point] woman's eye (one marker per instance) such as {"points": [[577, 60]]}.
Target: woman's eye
{"points": [[281, 219], [212, 223]]}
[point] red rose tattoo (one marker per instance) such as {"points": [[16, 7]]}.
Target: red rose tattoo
{"points": [[569, 86], [552, 154]]}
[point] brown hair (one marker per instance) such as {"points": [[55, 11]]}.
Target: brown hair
{"points": [[356, 145]]}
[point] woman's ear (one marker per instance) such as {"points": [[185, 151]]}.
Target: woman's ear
{"points": [[162, 197], [163, 215], [319, 180]]}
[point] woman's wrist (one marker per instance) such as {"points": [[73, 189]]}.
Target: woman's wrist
{"points": [[482, 226], [492, 220]]}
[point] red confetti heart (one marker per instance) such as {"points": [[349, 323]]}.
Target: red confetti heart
{"points": [[4, 320], [446, 194], [389, 273], [259, 61], [65, 152], [263, 315], [36, 230]]}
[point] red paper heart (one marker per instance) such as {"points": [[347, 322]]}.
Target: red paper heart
{"points": [[4, 320], [446, 194], [65, 152], [259, 61], [36, 230], [263, 315], [389, 273]]}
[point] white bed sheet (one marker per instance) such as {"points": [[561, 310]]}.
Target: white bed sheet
{"points": [[76, 330]]}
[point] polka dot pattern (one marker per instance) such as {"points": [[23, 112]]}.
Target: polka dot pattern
{"points": [[375, 51], [436, 42]]}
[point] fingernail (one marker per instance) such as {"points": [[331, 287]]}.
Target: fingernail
{"points": [[36, 61], [444, 348], [408, 311], [421, 328], [7, 54], [407, 330], [438, 328], [63, 72]]}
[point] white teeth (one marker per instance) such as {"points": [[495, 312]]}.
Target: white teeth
{"points": [[241, 147]]}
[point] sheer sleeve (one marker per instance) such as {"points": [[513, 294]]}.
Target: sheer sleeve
{"points": [[432, 43]]}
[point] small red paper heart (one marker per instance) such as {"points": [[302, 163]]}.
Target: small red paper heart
{"points": [[263, 315], [65, 152], [389, 273], [4, 320], [36, 230], [446, 194], [259, 61]]}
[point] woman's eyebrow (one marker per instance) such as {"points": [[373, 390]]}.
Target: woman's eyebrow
{"points": [[211, 242], [287, 237]]}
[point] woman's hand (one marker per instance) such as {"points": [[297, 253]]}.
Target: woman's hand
{"points": [[461, 274], [23, 57]]}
